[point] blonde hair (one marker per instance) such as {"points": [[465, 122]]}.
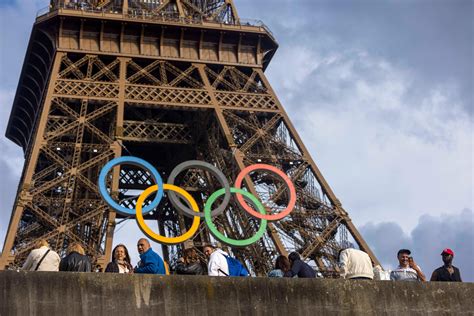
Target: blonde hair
{"points": [[42, 242], [75, 247]]}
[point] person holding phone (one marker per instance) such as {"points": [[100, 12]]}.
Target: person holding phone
{"points": [[407, 269]]}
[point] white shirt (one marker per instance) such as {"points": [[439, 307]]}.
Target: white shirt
{"points": [[218, 262], [123, 269], [50, 262], [355, 264]]}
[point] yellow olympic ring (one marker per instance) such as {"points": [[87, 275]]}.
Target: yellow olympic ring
{"points": [[162, 239]]}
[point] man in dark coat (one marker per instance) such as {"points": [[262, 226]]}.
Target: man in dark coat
{"points": [[299, 267], [447, 272]]}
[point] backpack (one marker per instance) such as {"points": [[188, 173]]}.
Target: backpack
{"points": [[235, 267]]}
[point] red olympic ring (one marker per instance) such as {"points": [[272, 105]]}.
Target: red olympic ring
{"points": [[291, 188]]}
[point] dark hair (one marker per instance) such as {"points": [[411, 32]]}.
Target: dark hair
{"points": [[339, 253], [282, 263], [208, 245], [127, 256], [190, 255], [294, 256], [408, 252]]}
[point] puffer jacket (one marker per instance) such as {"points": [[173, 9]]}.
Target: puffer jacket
{"points": [[75, 262], [194, 268]]}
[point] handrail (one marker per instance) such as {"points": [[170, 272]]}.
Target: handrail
{"points": [[147, 15]]}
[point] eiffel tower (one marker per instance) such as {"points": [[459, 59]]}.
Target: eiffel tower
{"points": [[167, 81]]}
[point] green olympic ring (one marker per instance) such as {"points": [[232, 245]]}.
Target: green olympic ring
{"points": [[208, 213], [218, 235]]}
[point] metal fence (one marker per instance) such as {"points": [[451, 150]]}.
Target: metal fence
{"points": [[140, 14]]}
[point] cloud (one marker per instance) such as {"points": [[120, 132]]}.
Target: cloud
{"points": [[18, 17], [12, 156], [385, 150], [381, 93], [434, 38], [11, 165], [14, 15], [430, 236]]}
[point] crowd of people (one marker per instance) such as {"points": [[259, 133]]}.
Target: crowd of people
{"points": [[356, 264], [353, 263]]}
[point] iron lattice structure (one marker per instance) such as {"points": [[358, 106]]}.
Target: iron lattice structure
{"points": [[167, 81]]}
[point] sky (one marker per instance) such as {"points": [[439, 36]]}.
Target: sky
{"points": [[381, 93]]}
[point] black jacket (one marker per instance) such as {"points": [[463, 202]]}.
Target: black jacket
{"points": [[114, 268], [301, 269], [442, 274], [75, 262], [194, 268]]}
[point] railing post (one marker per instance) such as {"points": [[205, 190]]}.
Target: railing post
{"points": [[125, 7]]}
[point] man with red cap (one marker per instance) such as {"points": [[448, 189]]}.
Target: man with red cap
{"points": [[448, 272]]}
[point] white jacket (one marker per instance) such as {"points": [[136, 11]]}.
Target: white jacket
{"points": [[50, 262], [218, 262], [355, 264]]}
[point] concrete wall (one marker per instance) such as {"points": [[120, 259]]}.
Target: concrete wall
{"points": [[53, 293]]}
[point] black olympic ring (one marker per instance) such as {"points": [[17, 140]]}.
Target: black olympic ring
{"points": [[174, 199]]}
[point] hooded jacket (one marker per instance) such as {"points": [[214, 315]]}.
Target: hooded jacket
{"points": [[217, 265]]}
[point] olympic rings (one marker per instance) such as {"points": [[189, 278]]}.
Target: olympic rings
{"points": [[289, 184], [162, 239], [218, 235], [135, 162], [192, 209], [208, 167]]}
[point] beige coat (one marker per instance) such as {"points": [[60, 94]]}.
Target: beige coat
{"points": [[50, 262], [355, 264]]}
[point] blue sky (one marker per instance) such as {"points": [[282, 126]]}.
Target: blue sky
{"points": [[5, 3], [380, 92]]}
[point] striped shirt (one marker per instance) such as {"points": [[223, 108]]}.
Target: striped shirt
{"points": [[404, 274]]}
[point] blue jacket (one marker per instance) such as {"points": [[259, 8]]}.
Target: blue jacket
{"points": [[151, 262]]}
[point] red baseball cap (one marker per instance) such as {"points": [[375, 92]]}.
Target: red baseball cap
{"points": [[448, 251]]}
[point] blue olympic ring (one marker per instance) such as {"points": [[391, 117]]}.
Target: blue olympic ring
{"points": [[136, 162]]}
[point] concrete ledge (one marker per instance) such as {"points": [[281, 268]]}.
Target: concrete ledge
{"points": [[54, 293]]}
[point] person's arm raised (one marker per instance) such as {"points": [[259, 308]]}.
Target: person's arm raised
{"points": [[420, 273]]}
